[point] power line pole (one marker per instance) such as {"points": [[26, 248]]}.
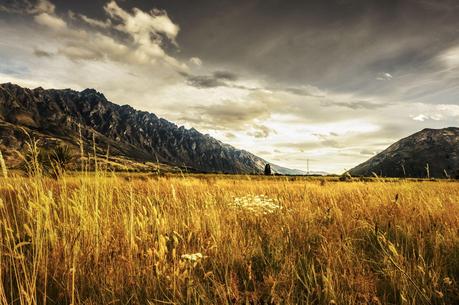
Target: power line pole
{"points": [[307, 166]]}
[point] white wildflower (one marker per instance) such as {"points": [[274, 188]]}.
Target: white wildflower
{"points": [[257, 204], [193, 257]]}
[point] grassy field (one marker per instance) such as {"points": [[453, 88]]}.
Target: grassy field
{"points": [[215, 239]]}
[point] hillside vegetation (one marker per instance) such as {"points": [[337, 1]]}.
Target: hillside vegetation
{"points": [[213, 239]]}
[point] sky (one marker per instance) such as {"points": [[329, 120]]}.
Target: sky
{"points": [[332, 82]]}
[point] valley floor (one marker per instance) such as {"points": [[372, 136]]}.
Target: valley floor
{"points": [[215, 239]]}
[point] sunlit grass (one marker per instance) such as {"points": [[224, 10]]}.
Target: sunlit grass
{"points": [[106, 239]]}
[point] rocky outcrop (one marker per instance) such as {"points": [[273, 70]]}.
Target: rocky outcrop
{"points": [[61, 115], [427, 153]]}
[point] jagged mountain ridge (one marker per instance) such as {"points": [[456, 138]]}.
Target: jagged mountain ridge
{"points": [[429, 152], [61, 115]]}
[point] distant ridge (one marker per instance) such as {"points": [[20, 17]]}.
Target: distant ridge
{"points": [[56, 116], [429, 152]]}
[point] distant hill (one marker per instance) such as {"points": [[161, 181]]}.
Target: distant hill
{"points": [[433, 152], [286, 171], [58, 116]]}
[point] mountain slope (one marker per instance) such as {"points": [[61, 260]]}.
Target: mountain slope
{"points": [[429, 152], [57, 116]]}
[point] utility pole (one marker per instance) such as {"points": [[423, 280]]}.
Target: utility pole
{"points": [[307, 166]]}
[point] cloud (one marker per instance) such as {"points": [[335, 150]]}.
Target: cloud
{"points": [[421, 117], [229, 115], [450, 57], [146, 33], [42, 53], [94, 22], [312, 145], [234, 114], [222, 78], [303, 91], [147, 30], [103, 47], [43, 6], [301, 146], [230, 135], [384, 76], [261, 131], [142, 25], [442, 112], [367, 152], [217, 79], [442, 5], [331, 139], [225, 75], [50, 21], [196, 61], [77, 53], [25, 7], [204, 81], [355, 104]]}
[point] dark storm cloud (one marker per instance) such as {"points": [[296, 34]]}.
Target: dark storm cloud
{"points": [[225, 75], [217, 79], [42, 53], [204, 81], [446, 5], [229, 79], [26, 7], [341, 45]]}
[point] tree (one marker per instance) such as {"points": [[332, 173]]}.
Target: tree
{"points": [[268, 169]]}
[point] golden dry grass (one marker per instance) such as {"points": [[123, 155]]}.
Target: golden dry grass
{"points": [[101, 239]]}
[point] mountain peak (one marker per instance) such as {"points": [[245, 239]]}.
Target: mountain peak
{"points": [[427, 153], [10, 86], [91, 91]]}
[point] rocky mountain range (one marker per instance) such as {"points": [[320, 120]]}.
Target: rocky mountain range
{"points": [[427, 153], [66, 116]]}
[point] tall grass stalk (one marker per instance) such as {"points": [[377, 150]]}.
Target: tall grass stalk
{"points": [[3, 166]]}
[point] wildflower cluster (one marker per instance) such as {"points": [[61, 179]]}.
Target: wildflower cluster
{"points": [[257, 204], [194, 257]]}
